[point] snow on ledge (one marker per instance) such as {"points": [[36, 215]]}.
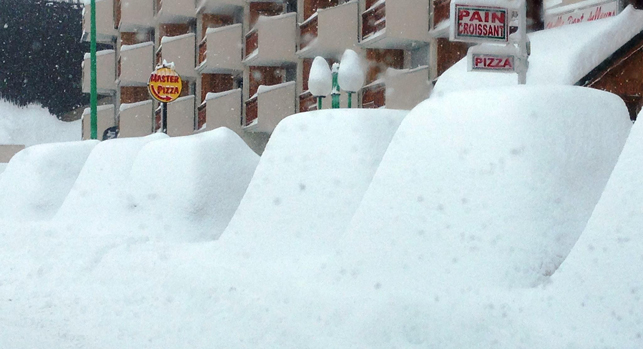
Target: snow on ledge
{"points": [[136, 46], [166, 39], [126, 106], [223, 28], [98, 53], [214, 95]]}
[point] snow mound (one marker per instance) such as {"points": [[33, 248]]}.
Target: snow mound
{"points": [[309, 182], [100, 190], [32, 125], [188, 188], [37, 179], [559, 56], [489, 187]]}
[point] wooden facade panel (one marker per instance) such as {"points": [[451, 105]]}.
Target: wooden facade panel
{"points": [[264, 9], [449, 53], [380, 60], [265, 76], [215, 83], [133, 94]]}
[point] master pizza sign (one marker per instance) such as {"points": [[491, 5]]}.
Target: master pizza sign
{"points": [[478, 23]]}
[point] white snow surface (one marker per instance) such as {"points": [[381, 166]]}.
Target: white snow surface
{"points": [[309, 182], [351, 72], [33, 124], [325, 249], [37, 179], [320, 79], [559, 56]]}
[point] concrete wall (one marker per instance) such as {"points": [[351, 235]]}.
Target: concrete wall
{"points": [[105, 72], [105, 119], [180, 50], [406, 88], [224, 110], [136, 120], [225, 48], [408, 19], [137, 63], [277, 39], [7, 151], [274, 105], [180, 117]]}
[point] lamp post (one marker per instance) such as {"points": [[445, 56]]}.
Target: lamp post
{"points": [[335, 92], [93, 93], [320, 80], [351, 75]]}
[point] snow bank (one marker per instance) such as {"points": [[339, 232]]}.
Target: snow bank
{"points": [[34, 125], [188, 188], [37, 179], [559, 56], [309, 182], [100, 190], [489, 187]]}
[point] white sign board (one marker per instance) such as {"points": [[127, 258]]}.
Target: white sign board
{"points": [[502, 59], [572, 14], [478, 23]]}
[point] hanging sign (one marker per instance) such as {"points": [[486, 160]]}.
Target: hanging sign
{"points": [[573, 14], [165, 84], [478, 23], [496, 58]]}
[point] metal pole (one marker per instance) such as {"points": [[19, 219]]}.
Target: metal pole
{"points": [[164, 117], [522, 45], [319, 102], [335, 91], [92, 67], [350, 99]]}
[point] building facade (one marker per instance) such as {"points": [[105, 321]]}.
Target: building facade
{"points": [[245, 63]]}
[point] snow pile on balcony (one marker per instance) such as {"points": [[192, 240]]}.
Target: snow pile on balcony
{"points": [[34, 125], [99, 193], [188, 188], [559, 56], [309, 182], [37, 179]]}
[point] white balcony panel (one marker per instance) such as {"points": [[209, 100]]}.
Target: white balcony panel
{"points": [[337, 29], [105, 72], [104, 119], [407, 26], [274, 103], [136, 119], [137, 63], [136, 14], [105, 31], [276, 41], [176, 11], [406, 88], [224, 110], [180, 116], [227, 7], [180, 50], [224, 50]]}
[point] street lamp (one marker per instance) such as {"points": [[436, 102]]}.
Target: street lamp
{"points": [[93, 93], [351, 75], [320, 80]]}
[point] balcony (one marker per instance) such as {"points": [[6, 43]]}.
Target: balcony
{"points": [[401, 24], [104, 117], [180, 116], [135, 119], [269, 106], [174, 11], [135, 64], [180, 50], [272, 41], [406, 88], [330, 31], [373, 95], [222, 109], [220, 6], [105, 72], [133, 15], [105, 31], [221, 50]]}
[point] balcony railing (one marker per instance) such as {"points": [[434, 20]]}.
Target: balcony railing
{"points": [[252, 111], [373, 19], [308, 31], [374, 95], [201, 116], [203, 49], [252, 42], [307, 102]]}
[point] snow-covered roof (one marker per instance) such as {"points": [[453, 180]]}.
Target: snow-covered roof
{"points": [[135, 46], [559, 56]]}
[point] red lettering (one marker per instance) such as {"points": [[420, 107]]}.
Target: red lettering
{"points": [[478, 61], [476, 17], [462, 14], [507, 63], [498, 17]]}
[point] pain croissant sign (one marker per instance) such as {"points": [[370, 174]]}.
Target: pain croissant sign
{"points": [[165, 85]]}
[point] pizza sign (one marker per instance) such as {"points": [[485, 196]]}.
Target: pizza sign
{"points": [[499, 63], [479, 23], [165, 85]]}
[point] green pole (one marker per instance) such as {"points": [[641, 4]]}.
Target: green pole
{"points": [[319, 103], [93, 93], [350, 99], [335, 91]]}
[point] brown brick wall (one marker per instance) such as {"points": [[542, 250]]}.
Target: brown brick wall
{"points": [[265, 76], [311, 6], [449, 53], [215, 83], [380, 60], [173, 29], [264, 9], [133, 94], [209, 20]]}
